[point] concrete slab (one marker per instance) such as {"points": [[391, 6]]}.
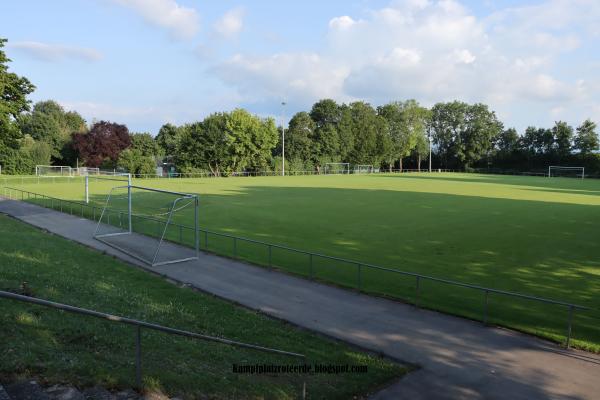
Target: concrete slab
{"points": [[458, 358]]}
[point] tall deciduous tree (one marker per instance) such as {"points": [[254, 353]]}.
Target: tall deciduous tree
{"points": [[14, 90], [168, 138], [464, 132], [563, 138], [104, 143], [48, 122], [586, 139], [145, 143], [407, 122], [299, 138]]}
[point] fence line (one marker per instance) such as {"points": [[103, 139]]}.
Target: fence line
{"points": [[67, 206], [147, 325]]}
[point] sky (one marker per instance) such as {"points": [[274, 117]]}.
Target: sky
{"points": [[148, 62]]}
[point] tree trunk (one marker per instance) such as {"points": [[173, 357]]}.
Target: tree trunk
{"points": [[400, 164], [391, 165], [419, 162]]}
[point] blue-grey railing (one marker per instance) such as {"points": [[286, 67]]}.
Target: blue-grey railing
{"points": [[74, 207]]}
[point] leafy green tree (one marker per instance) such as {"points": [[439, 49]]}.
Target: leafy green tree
{"points": [[482, 129], [14, 90], [203, 145], [421, 149], [135, 161], [299, 139], [464, 132], [448, 120], [368, 130], [227, 142], [407, 121], [507, 142], [586, 139], [48, 122], [250, 140], [168, 139], [563, 138], [326, 115], [145, 143]]}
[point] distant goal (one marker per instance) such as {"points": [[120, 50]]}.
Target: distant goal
{"points": [[363, 169], [563, 171], [337, 168], [53, 170]]}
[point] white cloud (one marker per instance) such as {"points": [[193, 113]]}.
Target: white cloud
{"points": [[301, 76], [56, 52], [182, 22], [231, 23], [343, 22], [434, 51]]}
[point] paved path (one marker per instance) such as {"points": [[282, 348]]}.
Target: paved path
{"points": [[458, 358]]}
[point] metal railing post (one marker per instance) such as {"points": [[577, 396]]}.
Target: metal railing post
{"points": [[138, 357], [485, 307], [569, 326], [417, 291], [270, 256]]}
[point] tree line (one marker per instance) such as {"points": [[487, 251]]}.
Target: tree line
{"points": [[393, 136]]}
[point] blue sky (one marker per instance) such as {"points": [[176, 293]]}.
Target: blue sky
{"points": [[148, 62]]}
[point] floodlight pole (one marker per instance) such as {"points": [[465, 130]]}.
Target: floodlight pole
{"points": [[283, 139], [430, 152]]}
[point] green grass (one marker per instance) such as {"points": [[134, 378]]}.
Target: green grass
{"points": [[531, 235], [57, 346]]}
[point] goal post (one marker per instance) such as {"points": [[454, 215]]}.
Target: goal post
{"points": [[337, 168], [563, 171], [363, 169], [156, 217], [53, 170]]}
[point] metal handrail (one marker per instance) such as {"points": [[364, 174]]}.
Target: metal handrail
{"points": [[147, 325], [359, 265]]}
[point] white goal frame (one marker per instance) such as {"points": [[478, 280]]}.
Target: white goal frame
{"points": [[345, 171], [104, 238], [359, 169], [85, 171], [559, 167], [64, 170]]}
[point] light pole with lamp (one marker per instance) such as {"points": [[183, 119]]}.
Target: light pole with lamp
{"points": [[429, 151], [283, 138]]}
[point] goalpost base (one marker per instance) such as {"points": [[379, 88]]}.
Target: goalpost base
{"points": [[105, 239]]}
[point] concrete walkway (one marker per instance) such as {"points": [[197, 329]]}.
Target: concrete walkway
{"points": [[458, 358]]}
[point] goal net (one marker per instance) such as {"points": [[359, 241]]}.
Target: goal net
{"points": [[337, 168], [363, 169], [570, 172], [85, 171], [138, 221], [98, 185], [53, 170]]}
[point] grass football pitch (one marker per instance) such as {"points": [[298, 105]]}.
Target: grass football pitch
{"points": [[531, 235]]}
